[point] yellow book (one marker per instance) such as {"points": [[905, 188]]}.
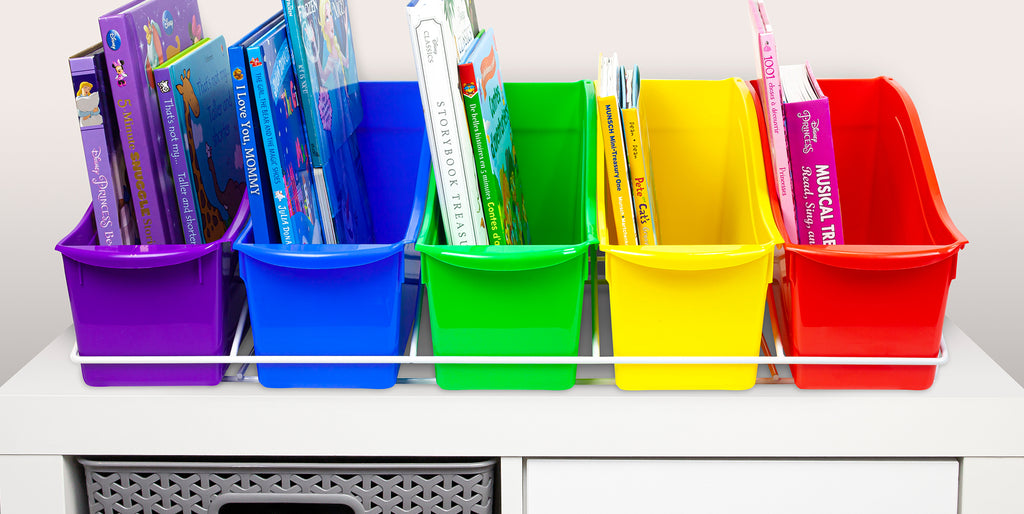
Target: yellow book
{"points": [[615, 160], [634, 127]]}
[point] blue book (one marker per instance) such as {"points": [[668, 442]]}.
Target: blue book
{"points": [[320, 34], [284, 138], [194, 92], [261, 198]]}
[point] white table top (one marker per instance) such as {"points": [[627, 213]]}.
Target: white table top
{"points": [[974, 409]]}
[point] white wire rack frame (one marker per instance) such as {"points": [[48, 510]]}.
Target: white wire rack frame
{"points": [[595, 358]]}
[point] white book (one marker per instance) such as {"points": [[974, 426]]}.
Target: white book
{"points": [[439, 39]]}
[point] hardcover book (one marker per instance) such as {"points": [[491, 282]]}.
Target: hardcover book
{"points": [[320, 34], [442, 31], [771, 102], [491, 134], [812, 157], [637, 146], [108, 179], [615, 161], [137, 38], [279, 111], [197, 105], [254, 159]]}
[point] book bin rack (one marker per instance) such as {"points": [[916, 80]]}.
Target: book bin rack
{"points": [[536, 293]]}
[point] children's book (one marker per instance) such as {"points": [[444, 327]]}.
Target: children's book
{"points": [[811, 157], [320, 33], [615, 162], [279, 111], [257, 179], [771, 102], [637, 145], [108, 179], [491, 134], [197, 104], [442, 30], [137, 38]]}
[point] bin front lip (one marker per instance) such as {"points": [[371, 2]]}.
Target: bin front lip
{"points": [[877, 257], [691, 257], [505, 257], [316, 256], [146, 256]]}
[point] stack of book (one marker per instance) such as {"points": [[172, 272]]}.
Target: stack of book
{"points": [[800, 137], [468, 125], [628, 170], [178, 128]]}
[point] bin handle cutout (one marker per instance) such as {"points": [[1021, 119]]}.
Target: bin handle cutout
{"points": [[237, 503]]}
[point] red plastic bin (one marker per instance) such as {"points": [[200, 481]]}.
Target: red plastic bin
{"points": [[883, 293]]}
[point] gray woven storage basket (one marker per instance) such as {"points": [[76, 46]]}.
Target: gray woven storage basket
{"points": [[115, 487]]}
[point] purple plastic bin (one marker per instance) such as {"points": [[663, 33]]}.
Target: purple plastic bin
{"points": [[153, 300]]}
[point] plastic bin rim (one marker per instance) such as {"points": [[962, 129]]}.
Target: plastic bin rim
{"points": [[264, 467], [147, 256], [316, 256], [691, 257], [877, 257], [507, 257]]}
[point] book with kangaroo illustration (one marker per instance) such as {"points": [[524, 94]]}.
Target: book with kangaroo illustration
{"points": [[197, 103], [108, 179], [261, 196], [279, 111], [137, 38], [320, 35], [490, 132]]}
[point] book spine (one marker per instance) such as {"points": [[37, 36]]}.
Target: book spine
{"points": [[771, 100], [300, 65], [261, 91], [101, 185], [436, 57], [616, 171], [812, 156], [177, 154], [264, 225], [490, 190], [149, 180], [98, 153], [639, 176]]}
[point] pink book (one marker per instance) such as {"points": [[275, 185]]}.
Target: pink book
{"points": [[812, 157], [771, 101]]}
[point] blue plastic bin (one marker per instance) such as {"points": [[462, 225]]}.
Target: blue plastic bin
{"points": [[349, 299]]}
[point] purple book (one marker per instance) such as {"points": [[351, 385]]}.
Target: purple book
{"points": [[108, 181], [137, 38], [812, 158]]}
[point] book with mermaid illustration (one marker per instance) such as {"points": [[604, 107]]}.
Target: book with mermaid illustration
{"points": [[197, 107], [320, 36]]}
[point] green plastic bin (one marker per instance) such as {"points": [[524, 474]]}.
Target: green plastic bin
{"points": [[521, 300]]}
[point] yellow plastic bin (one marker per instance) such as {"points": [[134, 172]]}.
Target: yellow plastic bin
{"points": [[702, 291]]}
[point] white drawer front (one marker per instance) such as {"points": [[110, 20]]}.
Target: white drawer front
{"points": [[557, 486]]}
